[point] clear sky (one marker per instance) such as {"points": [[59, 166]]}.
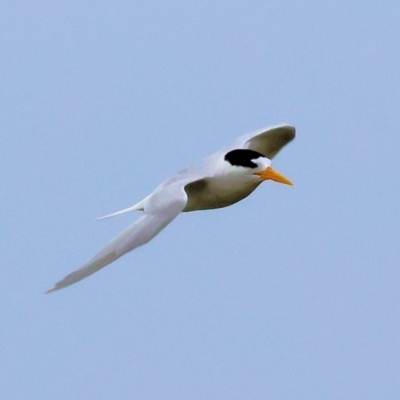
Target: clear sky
{"points": [[293, 293]]}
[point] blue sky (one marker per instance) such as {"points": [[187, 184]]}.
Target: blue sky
{"points": [[292, 293]]}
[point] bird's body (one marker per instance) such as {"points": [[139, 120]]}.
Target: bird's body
{"points": [[225, 178]]}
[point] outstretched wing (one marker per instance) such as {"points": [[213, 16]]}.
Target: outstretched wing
{"points": [[160, 209], [267, 141]]}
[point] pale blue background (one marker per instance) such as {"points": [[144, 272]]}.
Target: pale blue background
{"points": [[293, 293]]}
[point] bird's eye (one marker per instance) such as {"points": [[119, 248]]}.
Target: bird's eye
{"points": [[243, 158]]}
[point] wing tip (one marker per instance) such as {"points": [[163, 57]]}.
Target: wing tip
{"points": [[288, 130]]}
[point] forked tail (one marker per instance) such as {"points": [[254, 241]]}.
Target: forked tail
{"points": [[136, 207]]}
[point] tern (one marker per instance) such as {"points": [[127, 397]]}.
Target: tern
{"points": [[225, 178]]}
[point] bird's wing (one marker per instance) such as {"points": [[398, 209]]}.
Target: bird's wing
{"points": [[267, 141], [160, 209]]}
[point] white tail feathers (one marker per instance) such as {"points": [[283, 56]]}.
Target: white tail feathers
{"points": [[136, 207]]}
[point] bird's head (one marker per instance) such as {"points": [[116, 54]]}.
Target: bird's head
{"points": [[254, 164]]}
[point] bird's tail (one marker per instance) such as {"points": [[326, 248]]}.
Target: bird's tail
{"points": [[136, 207]]}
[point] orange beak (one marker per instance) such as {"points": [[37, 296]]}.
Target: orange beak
{"points": [[273, 175]]}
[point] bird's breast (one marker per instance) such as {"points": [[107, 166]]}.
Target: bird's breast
{"points": [[208, 193]]}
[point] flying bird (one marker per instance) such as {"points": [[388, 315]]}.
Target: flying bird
{"points": [[225, 178]]}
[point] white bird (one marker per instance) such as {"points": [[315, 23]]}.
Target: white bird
{"points": [[225, 178]]}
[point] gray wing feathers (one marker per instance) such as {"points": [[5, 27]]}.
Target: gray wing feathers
{"points": [[272, 141], [134, 236], [267, 141], [92, 266], [160, 210]]}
